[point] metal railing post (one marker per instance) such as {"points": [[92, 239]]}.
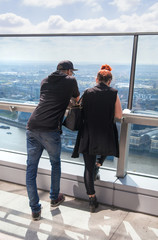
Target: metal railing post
{"points": [[124, 149], [125, 127], [132, 74]]}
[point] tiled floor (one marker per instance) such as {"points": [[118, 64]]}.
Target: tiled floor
{"points": [[69, 221]]}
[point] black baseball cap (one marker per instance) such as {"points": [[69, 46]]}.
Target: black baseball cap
{"points": [[66, 65]]}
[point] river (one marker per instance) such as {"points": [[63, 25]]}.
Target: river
{"points": [[14, 139]]}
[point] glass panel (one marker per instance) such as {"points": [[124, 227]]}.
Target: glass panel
{"points": [[68, 139], [13, 137], [146, 80], [143, 150], [25, 61], [12, 130]]}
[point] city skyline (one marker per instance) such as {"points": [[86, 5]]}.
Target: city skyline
{"points": [[21, 84]]}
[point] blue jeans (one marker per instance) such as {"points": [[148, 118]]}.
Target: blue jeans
{"points": [[37, 141]]}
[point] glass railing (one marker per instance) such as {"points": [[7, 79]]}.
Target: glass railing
{"points": [[138, 145], [145, 99], [27, 59], [143, 149]]}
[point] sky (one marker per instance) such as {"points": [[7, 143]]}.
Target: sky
{"points": [[78, 16], [67, 16]]}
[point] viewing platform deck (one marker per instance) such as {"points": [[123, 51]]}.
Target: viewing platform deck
{"points": [[71, 220]]}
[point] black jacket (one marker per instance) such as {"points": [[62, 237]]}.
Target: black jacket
{"points": [[98, 135], [55, 93]]}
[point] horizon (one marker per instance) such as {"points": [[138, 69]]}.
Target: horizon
{"points": [[100, 49], [54, 63]]}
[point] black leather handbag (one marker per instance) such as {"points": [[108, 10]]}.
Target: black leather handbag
{"points": [[73, 119]]}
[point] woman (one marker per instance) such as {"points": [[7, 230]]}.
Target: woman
{"points": [[98, 136]]}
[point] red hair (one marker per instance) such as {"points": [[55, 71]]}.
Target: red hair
{"points": [[104, 75], [106, 67]]}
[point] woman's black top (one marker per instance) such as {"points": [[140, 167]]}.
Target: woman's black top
{"points": [[98, 135]]}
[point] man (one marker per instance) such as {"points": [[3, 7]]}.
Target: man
{"points": [[44, 130]]}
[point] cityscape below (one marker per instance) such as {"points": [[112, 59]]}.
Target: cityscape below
{"points": [[20, 82]]}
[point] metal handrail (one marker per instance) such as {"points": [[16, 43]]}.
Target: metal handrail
{"points": [[14, 106], [134, 118], [78, 34], [141, 119]]}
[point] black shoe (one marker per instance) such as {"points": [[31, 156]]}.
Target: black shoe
{"points": [[58, 201], [96, 173], [93, 204], [36, 216]]}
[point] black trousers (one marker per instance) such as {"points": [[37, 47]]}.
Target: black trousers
{"points": [[89, 161], [90, 168]]}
